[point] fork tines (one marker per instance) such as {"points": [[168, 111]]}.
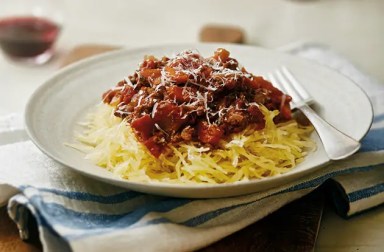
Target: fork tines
{"points": [[283, 79]]}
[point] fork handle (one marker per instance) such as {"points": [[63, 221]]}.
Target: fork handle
{"points": [[337, 145]]}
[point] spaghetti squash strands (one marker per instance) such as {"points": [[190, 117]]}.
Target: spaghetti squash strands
{"points": [[109, 142]]}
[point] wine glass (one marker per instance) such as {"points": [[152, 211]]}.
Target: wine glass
{"points": [[29, 29]]}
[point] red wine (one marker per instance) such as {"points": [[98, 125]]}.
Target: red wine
{"points": [[27, 36]]}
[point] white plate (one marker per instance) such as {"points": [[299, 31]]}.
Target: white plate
{"points": [[61, 102]]}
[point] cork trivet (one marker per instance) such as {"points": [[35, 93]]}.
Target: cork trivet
{"points": [[84, 51], [222, 33]]}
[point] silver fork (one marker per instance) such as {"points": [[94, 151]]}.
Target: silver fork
{"points": [[337, 145]]}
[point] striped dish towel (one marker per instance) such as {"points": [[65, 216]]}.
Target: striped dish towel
{"points": [[77, 213]]}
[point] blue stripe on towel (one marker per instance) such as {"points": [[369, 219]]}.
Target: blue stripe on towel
{"points": [[378, 118], [17, 213], [321, 179], [83, 220], [83, 196], [366, 192], [373, 141], [198, 220], [42, 221]]}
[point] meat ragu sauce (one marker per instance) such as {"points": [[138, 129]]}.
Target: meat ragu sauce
{"points": [[191, 98]]}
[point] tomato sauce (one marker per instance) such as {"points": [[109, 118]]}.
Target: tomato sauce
{"points": [[192, 98]]}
